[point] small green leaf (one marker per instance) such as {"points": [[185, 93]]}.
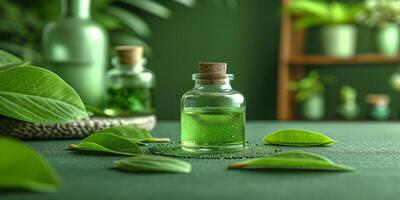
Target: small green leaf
{"points": [[133, 133], [7, 59], [292, 160], [37, 95], [148, 163], [297, 137], [131, 20], [92, 110], [149, 6], [23, 168], [108, 143]]}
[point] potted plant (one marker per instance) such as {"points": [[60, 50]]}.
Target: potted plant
{"points": [[384, 16], [338, 32], [348, 108], [310, 94]]}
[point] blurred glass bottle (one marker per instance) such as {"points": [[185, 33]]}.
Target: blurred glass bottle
{"points": [[75, 48], [129, 84]]}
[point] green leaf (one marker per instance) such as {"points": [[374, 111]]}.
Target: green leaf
{"points": [[148, 163], [23, 168], [7, 59], [130, 20], [292, 161], [38, 95], [108, 143], [150, 7], [297, 137], [188, 3], [133, 133], [92, 110]]}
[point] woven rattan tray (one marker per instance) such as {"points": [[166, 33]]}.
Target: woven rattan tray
{"points": [[79, 129]]}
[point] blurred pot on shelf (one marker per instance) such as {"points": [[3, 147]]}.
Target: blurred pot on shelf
{"points": [[313, 108], [384, 15], [339, 40], [388, 39], [310, 95], [378, 105], [348, 108], [336, 19]]}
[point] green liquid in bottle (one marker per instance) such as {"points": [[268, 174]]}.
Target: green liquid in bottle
{"points": [[128, 102], [212, 129]]}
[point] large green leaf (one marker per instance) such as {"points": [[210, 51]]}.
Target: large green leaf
{"points": [[132, 21], [38, 95], [150, 7], [294, 160], [108, 143], [148, 163], [22, 168], [298, 137], [7, 59]]}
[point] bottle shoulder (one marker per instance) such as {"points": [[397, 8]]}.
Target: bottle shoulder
{"points": [[74, 25], [129, 73]]}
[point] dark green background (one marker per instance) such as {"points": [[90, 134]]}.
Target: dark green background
{"points": [[247, 38]]}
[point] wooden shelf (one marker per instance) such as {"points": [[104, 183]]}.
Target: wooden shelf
{"points": [[329, 60]]}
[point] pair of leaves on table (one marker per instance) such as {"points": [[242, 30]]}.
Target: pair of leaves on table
{"points": [[121, 140], [36, 95], [296, 160], [15, 159], [124, 140], [297, 137]]}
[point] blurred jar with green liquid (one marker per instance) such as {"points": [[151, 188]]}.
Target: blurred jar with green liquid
{"points": [[76, 48], [129, 84], [212, 113]]}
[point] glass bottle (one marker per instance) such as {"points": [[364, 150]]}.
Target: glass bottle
{"points": [[129, 84], [76, 48], [212, 113]]}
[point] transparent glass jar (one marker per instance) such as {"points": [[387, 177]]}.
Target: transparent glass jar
{"points": [[129, 88], [212, 113]]}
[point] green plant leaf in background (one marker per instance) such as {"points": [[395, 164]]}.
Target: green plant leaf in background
{"points": [[23, 168], [314, 12], [108, 143], [133, 133], [149, 163], [308, 86], [37, 95], [291, 161], [297, 137], [7, 59]]}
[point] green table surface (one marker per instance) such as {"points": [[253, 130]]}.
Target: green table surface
{"points": [[372, 148]]}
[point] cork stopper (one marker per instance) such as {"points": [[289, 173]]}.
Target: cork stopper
{"points": [[212, 72], [378, 99], [212, 68], [130, 55]]}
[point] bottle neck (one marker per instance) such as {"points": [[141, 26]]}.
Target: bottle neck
{"points": [[137, 67], [75, 8], [218, 85]]}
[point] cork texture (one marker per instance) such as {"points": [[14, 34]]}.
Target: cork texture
{"points": [[212, 68], [129, 54]]}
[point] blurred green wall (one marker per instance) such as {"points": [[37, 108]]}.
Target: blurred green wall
{"points": [[246, 37]]}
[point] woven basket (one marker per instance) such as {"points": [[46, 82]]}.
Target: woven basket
{"points": [[79, 129]]}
